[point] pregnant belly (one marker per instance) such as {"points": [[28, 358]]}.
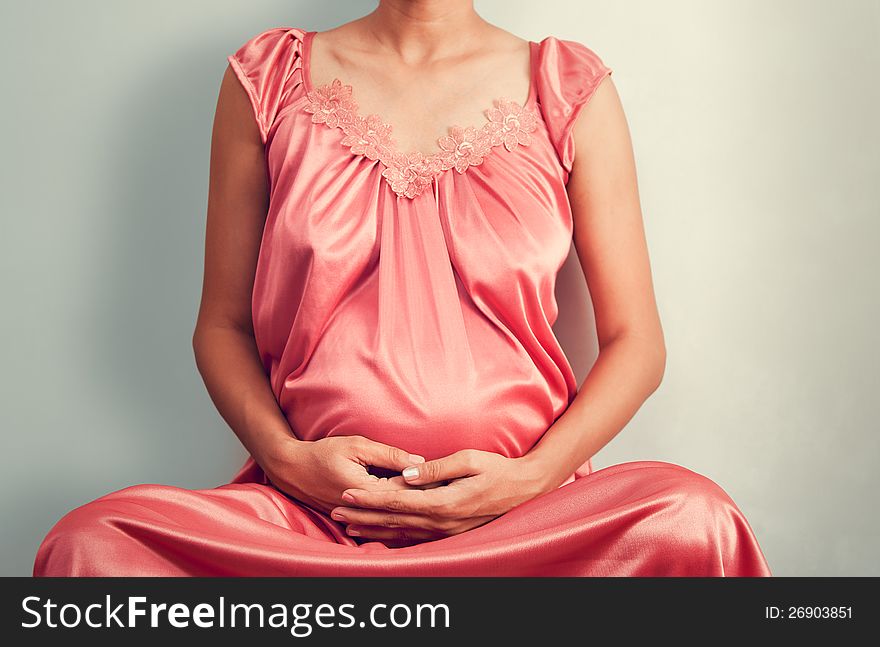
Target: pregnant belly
{"points": [[433, 410]]}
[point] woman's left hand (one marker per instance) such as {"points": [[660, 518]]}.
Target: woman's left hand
{"points": [[482, 486]]}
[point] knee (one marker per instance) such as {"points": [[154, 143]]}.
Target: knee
{"points": [[701, 510], [76, 543], [693, 485]]}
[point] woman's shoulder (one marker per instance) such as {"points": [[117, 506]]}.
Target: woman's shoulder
{"points": [[269, 67], [258, 45], [564, 57], [569, 72]]}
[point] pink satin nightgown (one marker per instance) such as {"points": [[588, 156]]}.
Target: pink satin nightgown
{"points": [[409, 298]]}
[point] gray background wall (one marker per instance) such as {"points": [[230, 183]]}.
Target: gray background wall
{"points": [[758, 151]]}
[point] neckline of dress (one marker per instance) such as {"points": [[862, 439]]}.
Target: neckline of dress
{"points": [[306, 55]]}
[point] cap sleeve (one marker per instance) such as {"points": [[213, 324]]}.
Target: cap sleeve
{"points": [[269, 67], [571, 73]]}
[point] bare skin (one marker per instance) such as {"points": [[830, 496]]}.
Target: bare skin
{"points": [[410, 71], [399, 78]]}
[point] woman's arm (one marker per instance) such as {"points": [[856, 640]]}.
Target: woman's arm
{"points": [[610, 241], [223, 340]]}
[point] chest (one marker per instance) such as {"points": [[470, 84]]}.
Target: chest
{"points": [[420, 101]]}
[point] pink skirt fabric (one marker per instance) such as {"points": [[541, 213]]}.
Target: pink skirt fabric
{"points": [[639, 518]]}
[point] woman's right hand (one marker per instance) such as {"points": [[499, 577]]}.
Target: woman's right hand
{"points": [[317, 472]]}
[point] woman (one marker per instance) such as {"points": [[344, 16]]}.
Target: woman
{"points": [[375, 324]]}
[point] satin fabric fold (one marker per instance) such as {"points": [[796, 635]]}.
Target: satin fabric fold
{"points": [[640, 519], [424, 323]]}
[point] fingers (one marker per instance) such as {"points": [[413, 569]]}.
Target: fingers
{"points": [[414, 523], [407, 499], [382, 484], [456, 465], [382, 455], [404, 535], [372, 483], [404, 527]]}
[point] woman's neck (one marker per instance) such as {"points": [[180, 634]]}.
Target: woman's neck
{"points": [[417, 30]]}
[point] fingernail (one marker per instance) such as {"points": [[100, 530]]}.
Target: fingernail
{"points": [[347, 497], [415, 458], [411, 473], [354, 531], [337, 515]]}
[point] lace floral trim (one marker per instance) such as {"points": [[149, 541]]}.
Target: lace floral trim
{"points": [[509, 124]]}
